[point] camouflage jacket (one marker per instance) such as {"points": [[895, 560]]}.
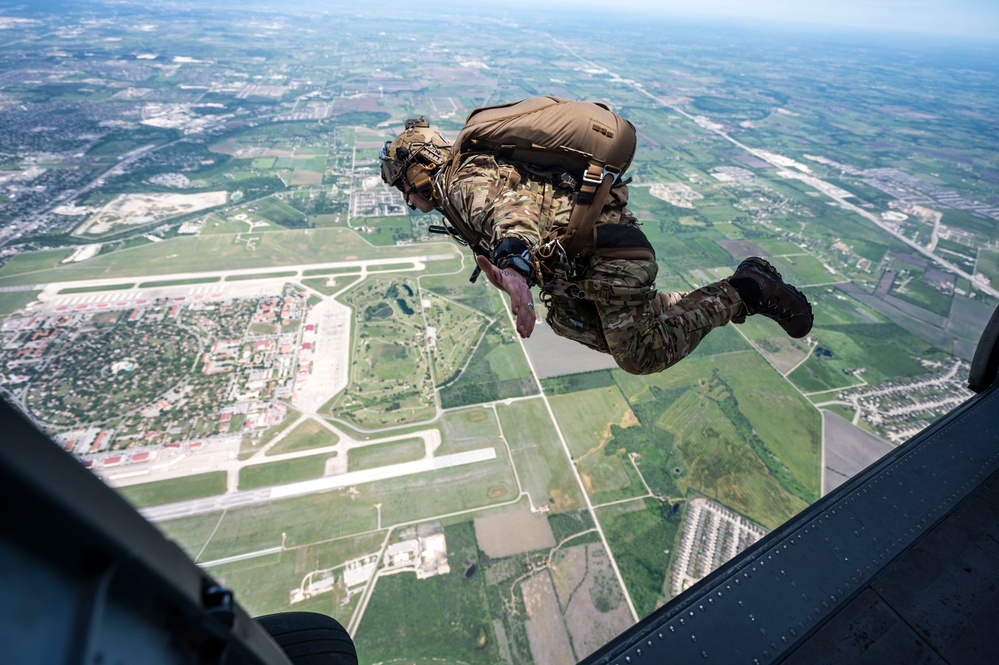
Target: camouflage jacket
{"points": [[497, 199]]}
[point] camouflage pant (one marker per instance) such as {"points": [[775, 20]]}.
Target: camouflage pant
{"points": [[643, 338]]}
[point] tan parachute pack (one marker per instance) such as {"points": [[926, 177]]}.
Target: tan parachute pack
{"points": [[586, 140]]}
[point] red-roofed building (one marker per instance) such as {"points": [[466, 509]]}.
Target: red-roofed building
{"points": [[140, 457], [113, 461]]}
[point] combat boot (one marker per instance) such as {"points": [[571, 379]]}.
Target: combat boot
{"points": [[764, 292]]}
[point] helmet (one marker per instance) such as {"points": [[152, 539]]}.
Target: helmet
{"points": [[415, 156]]}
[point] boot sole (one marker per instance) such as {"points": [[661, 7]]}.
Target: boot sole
{"points": [[762, 265]]}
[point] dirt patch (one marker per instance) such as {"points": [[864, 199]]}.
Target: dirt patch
{"points": [[597, 611], [568, 570], [545, 630], [306, 178], [138, 209], [495, 492], [561, 500], [587, 479], [740, 249], [512, 533]]}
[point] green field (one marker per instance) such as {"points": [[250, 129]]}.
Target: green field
{"points": [[468, 429], [883, 351], [988, 264], [27, 263], [706, 427], [94, 289], [310, 434], [284, 471], [262, 275], [803, 270], [375, 455], [544, 470], [176, 489], [179, 282], [640, 533], [384, 231], [263, 583], [586, 417], [304, 520], [397, 626], [12, 301], [498, 370]]}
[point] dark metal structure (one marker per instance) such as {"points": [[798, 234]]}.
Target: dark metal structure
{"points": [[85, 579]]}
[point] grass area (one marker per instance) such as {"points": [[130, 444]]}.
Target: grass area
{"points": [[285, 471], [709, 428], [328, 286], [570, 383], [304, 520], [397, 625], [175, 489], [586, 417], [795, 437], [884, 351], [93, 289], [919, 292], [262, 275], [608, 475], [460, 488], [28, 263], [378, 455], [468, 429], [12, 301], [310, 434], [263, 584], [190, 533], [458, 330], [386, 230], [498, 370], [208, 253], [803, 270], [180, 282], [638, 534], [543, 467], [988, 264], [390, 385], [312, 272]]}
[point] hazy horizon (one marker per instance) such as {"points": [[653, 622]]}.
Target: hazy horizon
{"points": [[974, 19]]}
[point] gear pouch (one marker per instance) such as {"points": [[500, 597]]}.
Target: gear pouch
{"points": [[576, 320]]}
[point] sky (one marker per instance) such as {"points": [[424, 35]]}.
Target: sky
{"points": [[968, 18]]}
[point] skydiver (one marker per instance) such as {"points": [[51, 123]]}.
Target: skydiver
{"points": [[608, 303]]}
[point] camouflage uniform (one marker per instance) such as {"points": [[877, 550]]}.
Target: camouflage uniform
{"points": [[622, 313]]}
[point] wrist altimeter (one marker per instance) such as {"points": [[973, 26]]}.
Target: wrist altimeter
{"points": [[514, 254]]}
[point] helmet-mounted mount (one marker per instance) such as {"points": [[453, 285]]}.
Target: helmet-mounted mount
{"points": [[415, 156]]}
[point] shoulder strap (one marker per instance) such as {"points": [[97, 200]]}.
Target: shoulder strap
{"points": [[581, 229]]}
